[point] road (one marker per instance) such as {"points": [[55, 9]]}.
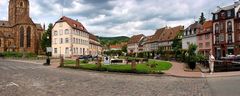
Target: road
{"points": [[225, 86], [25, 79]]}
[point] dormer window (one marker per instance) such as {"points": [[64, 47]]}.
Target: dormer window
{"points": [[75, 25], [216, 16], [229, 13]]}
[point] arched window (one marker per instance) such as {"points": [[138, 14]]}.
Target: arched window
{"points": [[21, 36], [29, 37], [216, 28], [21, 4], [229, 26]]}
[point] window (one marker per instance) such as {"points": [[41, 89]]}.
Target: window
{"points": [[238, 14], [80, 50], [229, 13], [55, 33], [216, 28], [21, 37], [29, 37], [66, 50], [222, 26], [66, 40], [207, 44], [21, 4], [229, 26], [216, 16], [195, 30], [221, 37], [200, 45], [229, 38], [77, 50], [217, 39], [55, 50], [66, 31]]}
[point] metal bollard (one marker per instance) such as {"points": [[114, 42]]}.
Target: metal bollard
{"points": [[61, 62], [133, 65], [77, 63]]}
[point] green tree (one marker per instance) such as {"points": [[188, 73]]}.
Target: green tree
{"points": [[124, 49], [47, 37], [177, 45], [202, 19]]}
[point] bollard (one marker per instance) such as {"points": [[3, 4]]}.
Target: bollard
{"points": [[61, 62], [133, 65], [77, 63], [99, 65]]}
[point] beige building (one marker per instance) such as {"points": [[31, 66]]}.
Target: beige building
{"points": [[134, 44], [95, 47], [70, 39]]}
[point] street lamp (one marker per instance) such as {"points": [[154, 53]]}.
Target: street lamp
{"points": [[48, 50]]}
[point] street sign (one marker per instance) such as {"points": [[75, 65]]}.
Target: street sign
{"points": [[49, 49]]}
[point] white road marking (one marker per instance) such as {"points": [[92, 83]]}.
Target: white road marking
{"points": [[12, 84]]}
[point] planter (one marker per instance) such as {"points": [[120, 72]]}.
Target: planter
{"points": [[192, 65]]}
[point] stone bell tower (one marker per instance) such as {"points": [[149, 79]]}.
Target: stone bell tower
{"points": [[18, 12]]}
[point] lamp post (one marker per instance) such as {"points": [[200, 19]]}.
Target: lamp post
{"points": [[48, 50]]}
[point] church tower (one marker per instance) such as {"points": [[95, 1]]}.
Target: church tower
{"points": [[18, 12]]}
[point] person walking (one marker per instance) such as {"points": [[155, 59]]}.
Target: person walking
{"points": [[211, 63]]}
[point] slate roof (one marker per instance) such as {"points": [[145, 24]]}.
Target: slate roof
{"points": [[229, 7]]}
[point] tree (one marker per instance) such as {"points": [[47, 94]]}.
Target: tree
{"points": [[202, 19], [124, 49], [47, 37], [177, 45]]}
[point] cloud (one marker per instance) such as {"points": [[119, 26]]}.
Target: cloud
{"points": [[121, 17]]}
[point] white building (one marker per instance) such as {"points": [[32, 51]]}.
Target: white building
{"points": [[190, 35], [69, 38]]}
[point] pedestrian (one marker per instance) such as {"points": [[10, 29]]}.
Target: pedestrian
{"points": [[211, 62]]}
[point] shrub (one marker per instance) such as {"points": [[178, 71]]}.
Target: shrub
{"points": [[85, 61]]}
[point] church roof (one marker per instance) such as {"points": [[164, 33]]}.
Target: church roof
{"points": [[4, 23], [39, 26]]}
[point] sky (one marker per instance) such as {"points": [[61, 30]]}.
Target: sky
{"points": [[110, 18]]}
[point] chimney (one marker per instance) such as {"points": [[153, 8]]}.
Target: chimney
{"points": [[77, 20]]}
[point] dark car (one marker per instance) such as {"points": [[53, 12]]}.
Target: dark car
{"points": [[85, 57]]}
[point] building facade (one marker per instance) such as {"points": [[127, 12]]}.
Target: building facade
{"points": [[226, 30], [134, 44], [168, 35], [20, 33], [190, 35], [204, 38], [95, 48], [70, 38]]}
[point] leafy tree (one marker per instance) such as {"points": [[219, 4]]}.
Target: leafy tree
{"points": [[47, 37], [177, 45], [124, 49], [202, 19]]}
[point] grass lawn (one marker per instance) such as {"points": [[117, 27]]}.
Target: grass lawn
{"points": [[140, 68]]}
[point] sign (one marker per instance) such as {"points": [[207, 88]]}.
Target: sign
{"points": [[49, 49], [107, 60]]}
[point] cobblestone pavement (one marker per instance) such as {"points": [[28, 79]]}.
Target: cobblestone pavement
{"points": [[23, 79]]}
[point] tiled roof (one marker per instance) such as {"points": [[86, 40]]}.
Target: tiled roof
{"points": [[135, 39], [157, 36], [4, 24], [73, 23], [93, 37], [206, 27], [170, 33]]}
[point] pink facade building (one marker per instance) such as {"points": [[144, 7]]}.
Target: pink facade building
{"points": [[204, 38]]}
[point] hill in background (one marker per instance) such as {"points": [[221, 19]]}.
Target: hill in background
{"points": [[106, 41]]}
